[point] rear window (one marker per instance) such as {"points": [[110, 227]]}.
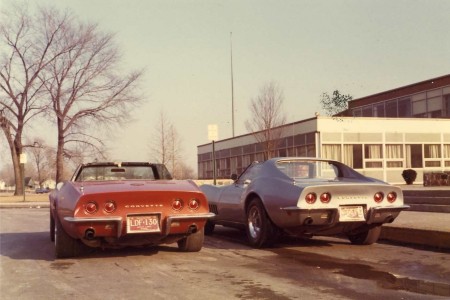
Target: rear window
{"points": [[303, 169], [102, 173]]}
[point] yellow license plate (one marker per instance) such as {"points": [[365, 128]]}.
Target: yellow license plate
{"points": [[143, 223], [351, 214]]}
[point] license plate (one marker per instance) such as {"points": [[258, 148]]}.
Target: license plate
{"points": [[351, 213], [143, 223]]}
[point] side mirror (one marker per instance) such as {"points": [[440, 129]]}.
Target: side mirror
{"points": [[59, 185], [234, 177]]}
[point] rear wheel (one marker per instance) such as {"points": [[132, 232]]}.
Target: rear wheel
{"points": [[193, 242], [367, 237], [65, 245], [209, 227], [260, 230]]}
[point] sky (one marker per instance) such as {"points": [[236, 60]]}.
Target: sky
{"points": [[308, 47]]}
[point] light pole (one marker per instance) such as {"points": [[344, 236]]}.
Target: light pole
{"points": [[23, 161], [212, 136]]}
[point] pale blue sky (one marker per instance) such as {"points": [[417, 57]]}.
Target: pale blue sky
{"points": [[308, 47]]}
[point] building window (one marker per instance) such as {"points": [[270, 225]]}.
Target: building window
{"points": [[404, 108], [414, 156], [378, 110], [352, 156], [447, 155], [394, 156], [367, 111], [391, 109], [331, 152], [447, 106], [357, 112], [373, 155], [432, 155]]}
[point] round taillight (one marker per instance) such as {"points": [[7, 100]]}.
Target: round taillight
{"points": [[378, 197], [110, 207], [193, 204], [311, 198], [177, 204], [392, 196], [325, 197], [91, 207]]}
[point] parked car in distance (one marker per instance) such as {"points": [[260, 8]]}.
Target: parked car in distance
{"points": [[42, 190], [304, 197], [111, 205]]}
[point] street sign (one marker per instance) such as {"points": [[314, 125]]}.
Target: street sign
{"points": [[213, 134]]}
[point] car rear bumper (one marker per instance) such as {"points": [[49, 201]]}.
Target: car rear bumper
{"points": [[117, 223], [297, 216]]}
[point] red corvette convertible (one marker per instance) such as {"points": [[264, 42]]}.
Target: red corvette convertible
{"points": [[111, 205]]}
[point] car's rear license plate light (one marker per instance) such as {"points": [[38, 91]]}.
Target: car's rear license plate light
{"points": [[351, 213], [143, 223]]}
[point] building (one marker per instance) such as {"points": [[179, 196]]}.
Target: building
{"points": [[426, 99], [378, 144]]}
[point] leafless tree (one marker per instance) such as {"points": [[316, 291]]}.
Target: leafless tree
{"points": [[166, 146], [28, 44], [267, 117], [88, 90], [41, 156]]}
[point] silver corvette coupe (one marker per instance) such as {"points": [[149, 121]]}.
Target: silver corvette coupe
{"points": [[304, 197]]}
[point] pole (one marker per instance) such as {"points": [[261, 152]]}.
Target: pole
{"points": [[214, 161], [23, 180], [232, 85]]}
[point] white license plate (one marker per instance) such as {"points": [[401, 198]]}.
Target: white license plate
{"points": [[143, 223], [351, 213]]}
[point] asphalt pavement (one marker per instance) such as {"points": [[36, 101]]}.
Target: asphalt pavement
{"points": [[426, 225]]}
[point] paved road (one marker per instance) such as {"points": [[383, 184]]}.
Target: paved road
{"points": [[226, 268]]}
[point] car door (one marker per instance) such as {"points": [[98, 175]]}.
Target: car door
{"points": [[233, 197]]}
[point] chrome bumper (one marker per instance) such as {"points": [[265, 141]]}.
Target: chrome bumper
{"points": [[119, 220]]}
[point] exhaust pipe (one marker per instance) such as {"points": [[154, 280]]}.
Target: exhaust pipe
{"points": [[192, 229], [389, 219], [308, 221], [89, 234]]}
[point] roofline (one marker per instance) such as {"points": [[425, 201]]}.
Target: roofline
{"points": [[402, 91]]}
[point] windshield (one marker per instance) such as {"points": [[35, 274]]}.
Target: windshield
{"points": [[306, 169], [93, 173]]}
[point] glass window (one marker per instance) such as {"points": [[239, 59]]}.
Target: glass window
{"points": [[352, 156], [414, 156], [379, 110], [394, 156], [391, 109], [404, 108], [367, 111], [373, 155], [432, 151], [331, 152]]}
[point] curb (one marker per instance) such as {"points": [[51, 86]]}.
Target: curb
{"points": [[421, 237]]}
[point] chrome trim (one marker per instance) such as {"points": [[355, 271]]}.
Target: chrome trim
{"points": [[170, 219], [118, 220]]}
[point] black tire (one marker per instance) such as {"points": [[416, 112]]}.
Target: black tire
{"points": [[65, 245], [52, 227], [260, 230], [193, 242], [209, 227], [367, 237]]}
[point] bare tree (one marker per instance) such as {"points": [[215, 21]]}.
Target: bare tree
{"points": [[267, 117], [166, 147], [88, 91], [336, 103], [42, 156], [26, 50]]}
